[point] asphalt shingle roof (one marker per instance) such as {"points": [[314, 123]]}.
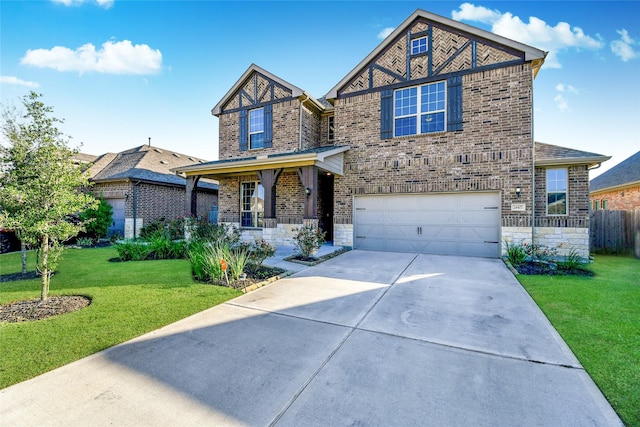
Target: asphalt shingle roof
{"points": [[146, 163], [556, 152], [626, 172]]}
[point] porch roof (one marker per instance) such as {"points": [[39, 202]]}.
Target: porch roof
{"points": [[329, 158]]}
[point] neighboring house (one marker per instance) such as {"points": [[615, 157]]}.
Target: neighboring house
{"points": [[425, 146], [140, 187], [619, 187]]}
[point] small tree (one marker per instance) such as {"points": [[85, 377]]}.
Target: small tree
{"points": [[98, 220], [39, 183]]}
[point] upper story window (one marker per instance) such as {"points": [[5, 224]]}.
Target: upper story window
{"points": [[557, 191], [256, 128], [420, 109], [330, 130], [418, 46]]}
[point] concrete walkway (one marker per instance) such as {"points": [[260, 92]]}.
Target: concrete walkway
{"points": [[366, 338]]}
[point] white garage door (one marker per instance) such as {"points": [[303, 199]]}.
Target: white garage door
{"points": [[452, 224]]}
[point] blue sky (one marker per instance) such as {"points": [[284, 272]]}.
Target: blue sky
{"points": [[119, 72]]}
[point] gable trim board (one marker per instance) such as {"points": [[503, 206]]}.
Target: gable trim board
{"points": [[529, 53]]}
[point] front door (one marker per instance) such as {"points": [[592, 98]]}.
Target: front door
{"points": [[325, 205]]}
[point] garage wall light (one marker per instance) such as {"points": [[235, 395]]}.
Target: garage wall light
{"points": [[518, 191]]}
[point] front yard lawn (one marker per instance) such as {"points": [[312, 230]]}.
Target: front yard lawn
{"points": [[128, 300], [599, 318]]}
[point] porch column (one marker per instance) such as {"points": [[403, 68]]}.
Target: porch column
{"points": [[268, 178], [309, 179], [191, 196]]}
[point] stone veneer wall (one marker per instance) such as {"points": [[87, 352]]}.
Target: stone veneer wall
{"points": [[563, 239]]}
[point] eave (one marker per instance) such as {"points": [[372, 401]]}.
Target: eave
{"points": [[329, 160], [615, 188], [589, 161]]}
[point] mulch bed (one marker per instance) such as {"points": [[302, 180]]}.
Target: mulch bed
{"points": [[19, 276], [262, 274], [540, 268], [35, 309]]}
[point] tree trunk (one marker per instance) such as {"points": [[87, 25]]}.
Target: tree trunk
{"points": [[44, 248], [23, 248]]}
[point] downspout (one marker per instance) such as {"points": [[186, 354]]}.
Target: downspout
{"points": [[533, 165], [300, 120], [135, 207]]}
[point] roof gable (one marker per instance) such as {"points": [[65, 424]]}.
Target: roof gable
{"points": [[453, 47], [626, 172], [254, 87]]}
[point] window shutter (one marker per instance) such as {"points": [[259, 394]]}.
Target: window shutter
{"points": [[454, 103], [244, 129], [386, 114], [268, 126]]}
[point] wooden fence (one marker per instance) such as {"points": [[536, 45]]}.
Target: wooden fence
{"points": [[616, 232]]}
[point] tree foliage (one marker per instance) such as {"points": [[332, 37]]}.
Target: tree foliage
{"points": [[98, 220], [40, 183]]}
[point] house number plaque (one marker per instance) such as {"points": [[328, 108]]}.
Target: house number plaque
{"points": [[518, 207]]}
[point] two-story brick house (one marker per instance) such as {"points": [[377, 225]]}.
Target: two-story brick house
{"points": [[425, 146]]}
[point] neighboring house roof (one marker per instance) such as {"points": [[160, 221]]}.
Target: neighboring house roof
{"points": [[144, 163], [625, 173], [530, 53], [84, 158], [320, 156], [295, 90], [552, 155]]}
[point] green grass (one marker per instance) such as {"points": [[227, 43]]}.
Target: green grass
{"points": [[128, 300], [599, 318]]}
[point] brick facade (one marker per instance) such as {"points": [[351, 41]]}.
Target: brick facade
{"points": [[620, 199], [154, 201], [492, 149]]}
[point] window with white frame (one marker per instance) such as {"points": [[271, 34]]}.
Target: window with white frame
{"points": [[557, 191], [251, 204], [420, 109], [256, 128], [418, 45]]}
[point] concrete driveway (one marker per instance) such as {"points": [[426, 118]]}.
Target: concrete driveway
{"points": [[367, 338]]}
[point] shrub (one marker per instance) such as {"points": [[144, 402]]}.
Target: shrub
{"points": [[206, 260], [204, 230], [572, 261], [132, 251], [85, 242], [98, 220], [308, 240], [172, 229], [258, 251], [515, 253], [161, 247]]}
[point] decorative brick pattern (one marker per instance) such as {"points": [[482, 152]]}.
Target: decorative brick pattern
{"points": [[493, 152]]}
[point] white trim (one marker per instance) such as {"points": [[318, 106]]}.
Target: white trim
{"points": [[566, 191]]}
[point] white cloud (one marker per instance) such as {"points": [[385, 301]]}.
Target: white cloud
{"points": [[561, 87], [536, 32], [102, 3], [469, 12], [560, 99], [385, 32], [11, 80], [623, 48], [114, 58]]}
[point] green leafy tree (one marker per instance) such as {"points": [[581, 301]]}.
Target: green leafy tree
{"points": [[98, 220], [40, 183]]}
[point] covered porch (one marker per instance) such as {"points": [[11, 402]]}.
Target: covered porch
{"points": [[268, 197]]}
